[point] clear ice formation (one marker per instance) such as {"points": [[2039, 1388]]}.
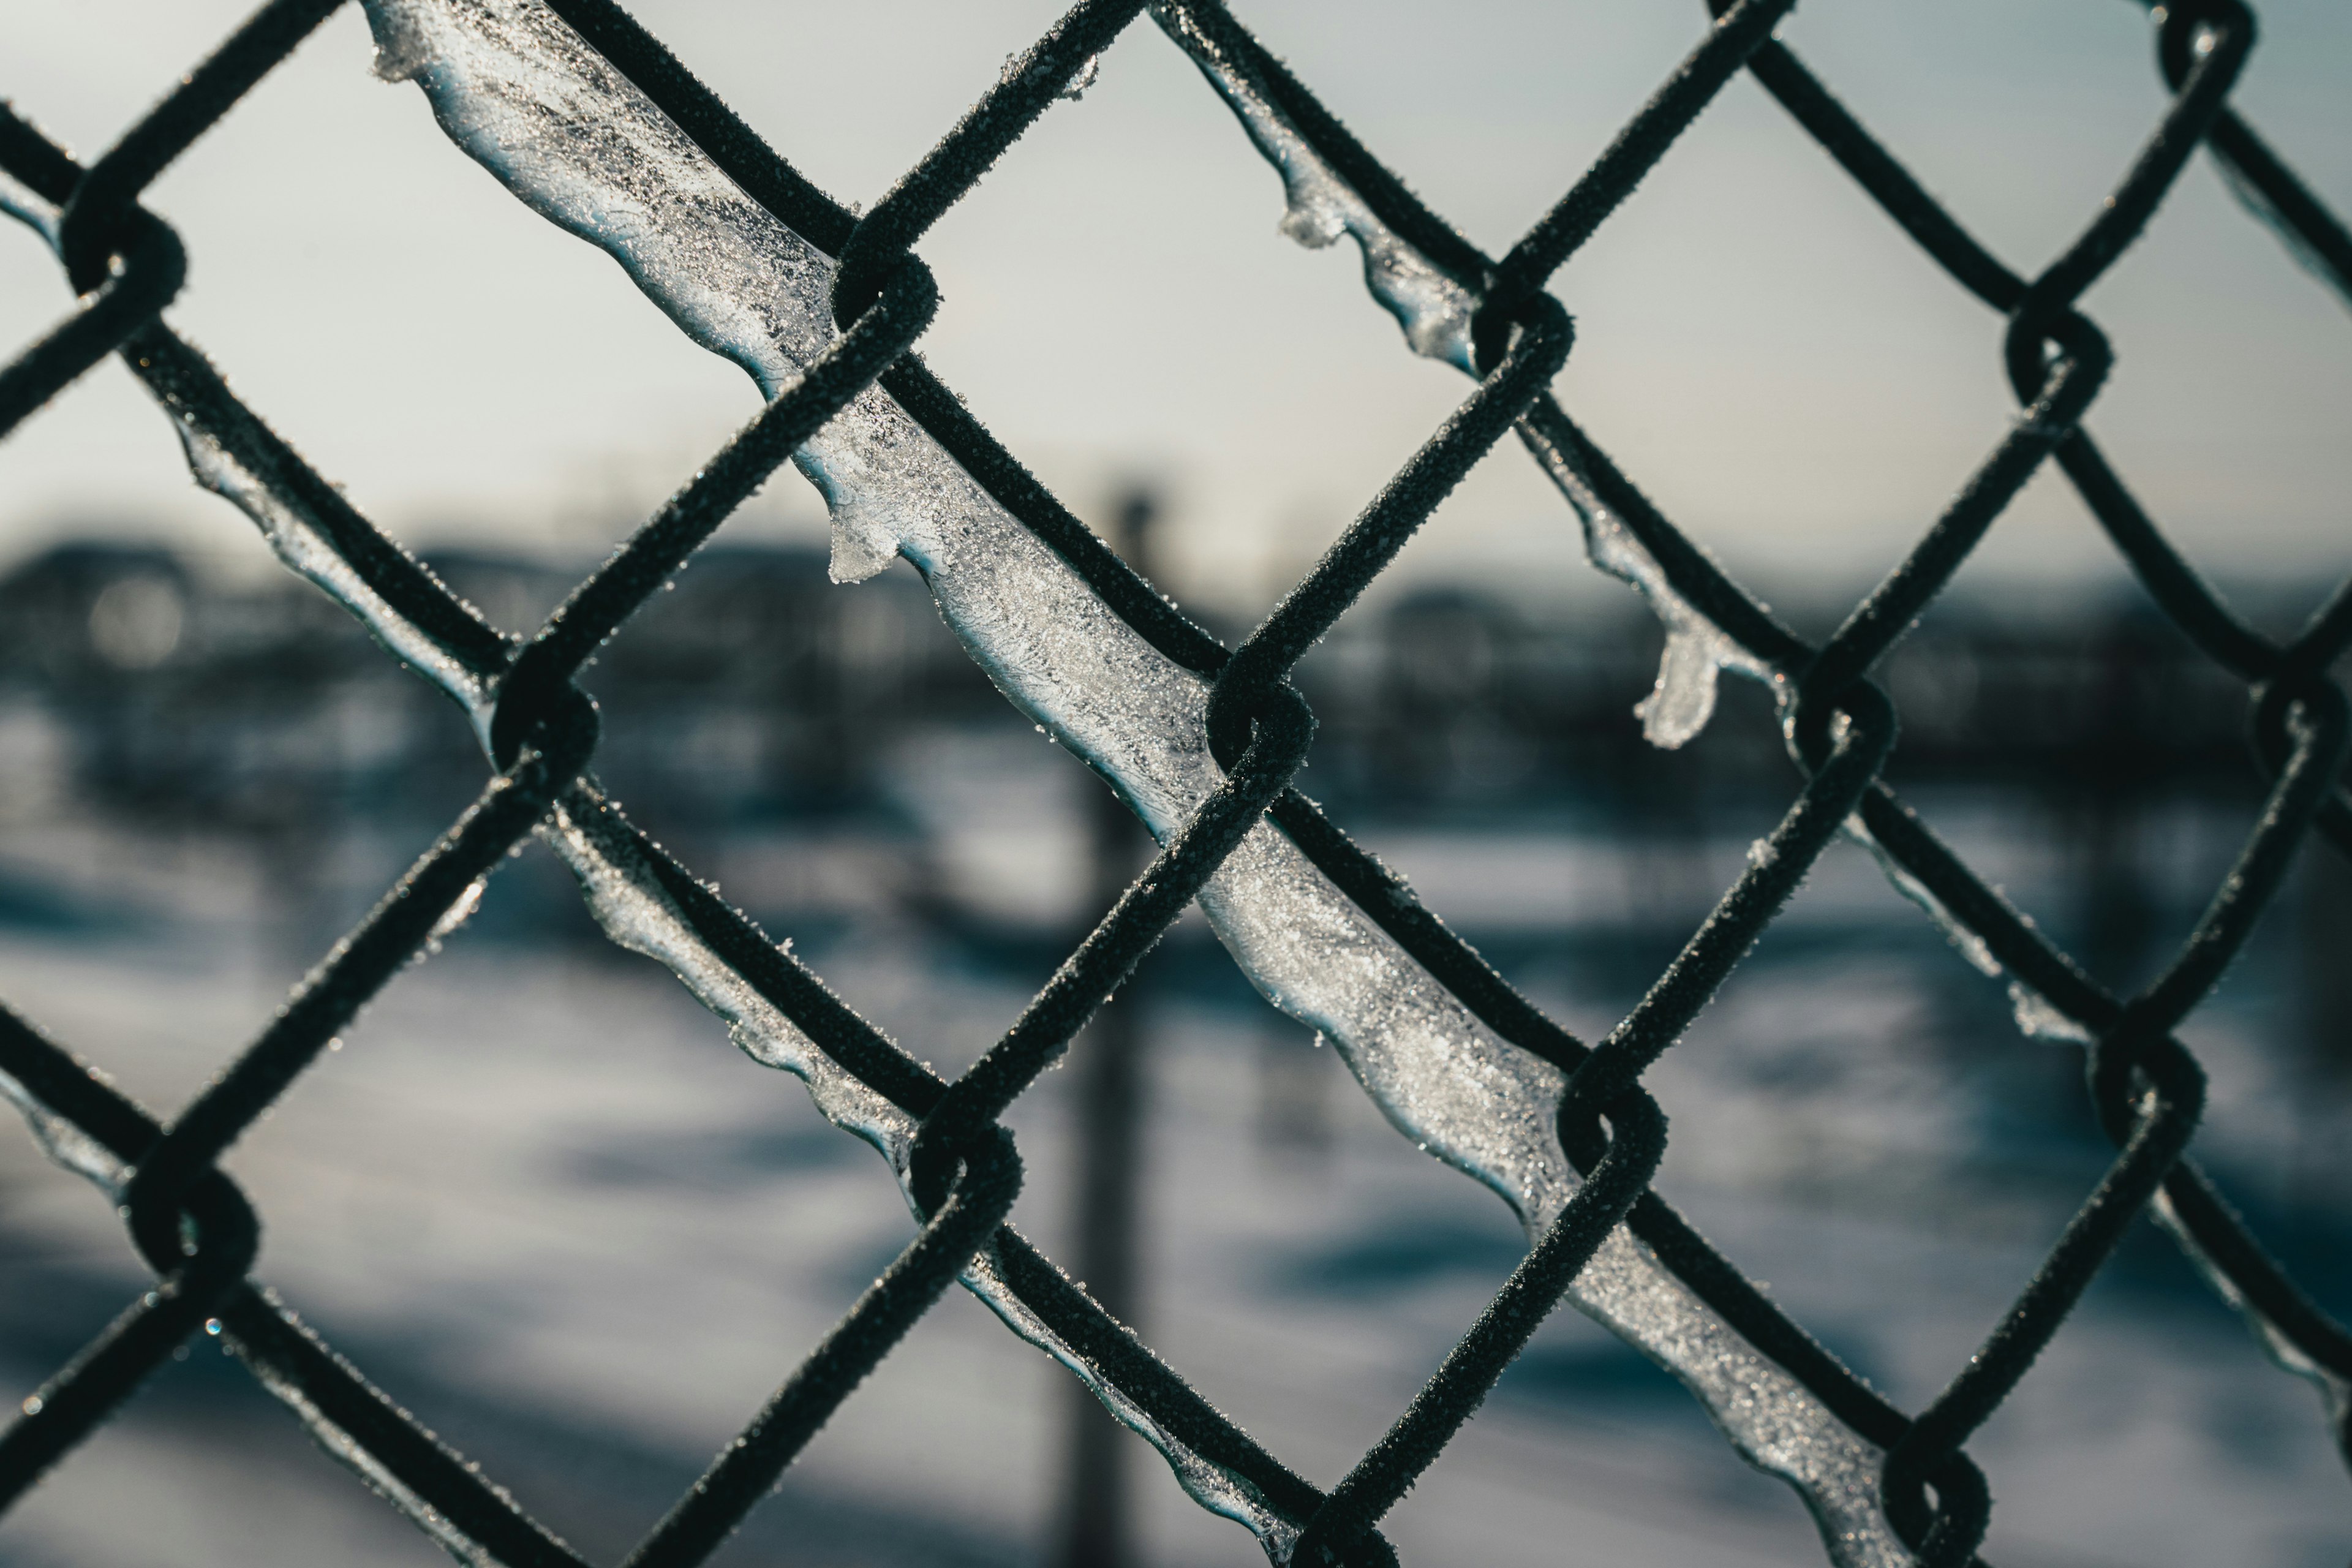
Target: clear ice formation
{"points": [[512, 85], [66, 1143], [1683, 700], [1433, 309]]}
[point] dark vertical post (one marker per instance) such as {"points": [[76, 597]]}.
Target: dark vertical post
{"points": [[2119, 755], [1107, 1064], [2319, 1164]]}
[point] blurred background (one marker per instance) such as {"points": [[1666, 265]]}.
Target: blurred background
{"points": [[543, 1202]]}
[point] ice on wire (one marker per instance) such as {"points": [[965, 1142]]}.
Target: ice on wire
{"points": [[1435, 312], [512, 85]]}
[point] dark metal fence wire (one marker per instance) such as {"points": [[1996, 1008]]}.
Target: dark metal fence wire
{"points": [[199, 1231]]}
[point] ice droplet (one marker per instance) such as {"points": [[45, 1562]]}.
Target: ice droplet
{"points": [[1683, 700], [399, 51], [457, 913], [1088, 74], [2039, 1018]]}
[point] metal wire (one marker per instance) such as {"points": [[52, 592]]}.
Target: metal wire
{"points": [[198, 1233]]}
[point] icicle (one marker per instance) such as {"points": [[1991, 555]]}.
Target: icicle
{"points": [[296, 539], [634, 910], [1433, 309], [78, 1152], [1321, 206], [1682, 702], [1435, 312], [499, 77]]}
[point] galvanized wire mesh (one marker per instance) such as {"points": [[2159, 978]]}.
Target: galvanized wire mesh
{"points": [[199, 1231]]}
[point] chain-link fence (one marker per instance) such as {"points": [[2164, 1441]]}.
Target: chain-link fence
{"points": [[585, 116]]}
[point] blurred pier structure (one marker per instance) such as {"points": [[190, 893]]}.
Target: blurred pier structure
{"points": [[758, 702]]}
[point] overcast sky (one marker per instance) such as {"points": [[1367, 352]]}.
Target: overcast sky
{"points": [[1764, 352]]}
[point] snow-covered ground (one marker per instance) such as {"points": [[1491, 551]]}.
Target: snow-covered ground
{"points": [[542, 1200]]}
